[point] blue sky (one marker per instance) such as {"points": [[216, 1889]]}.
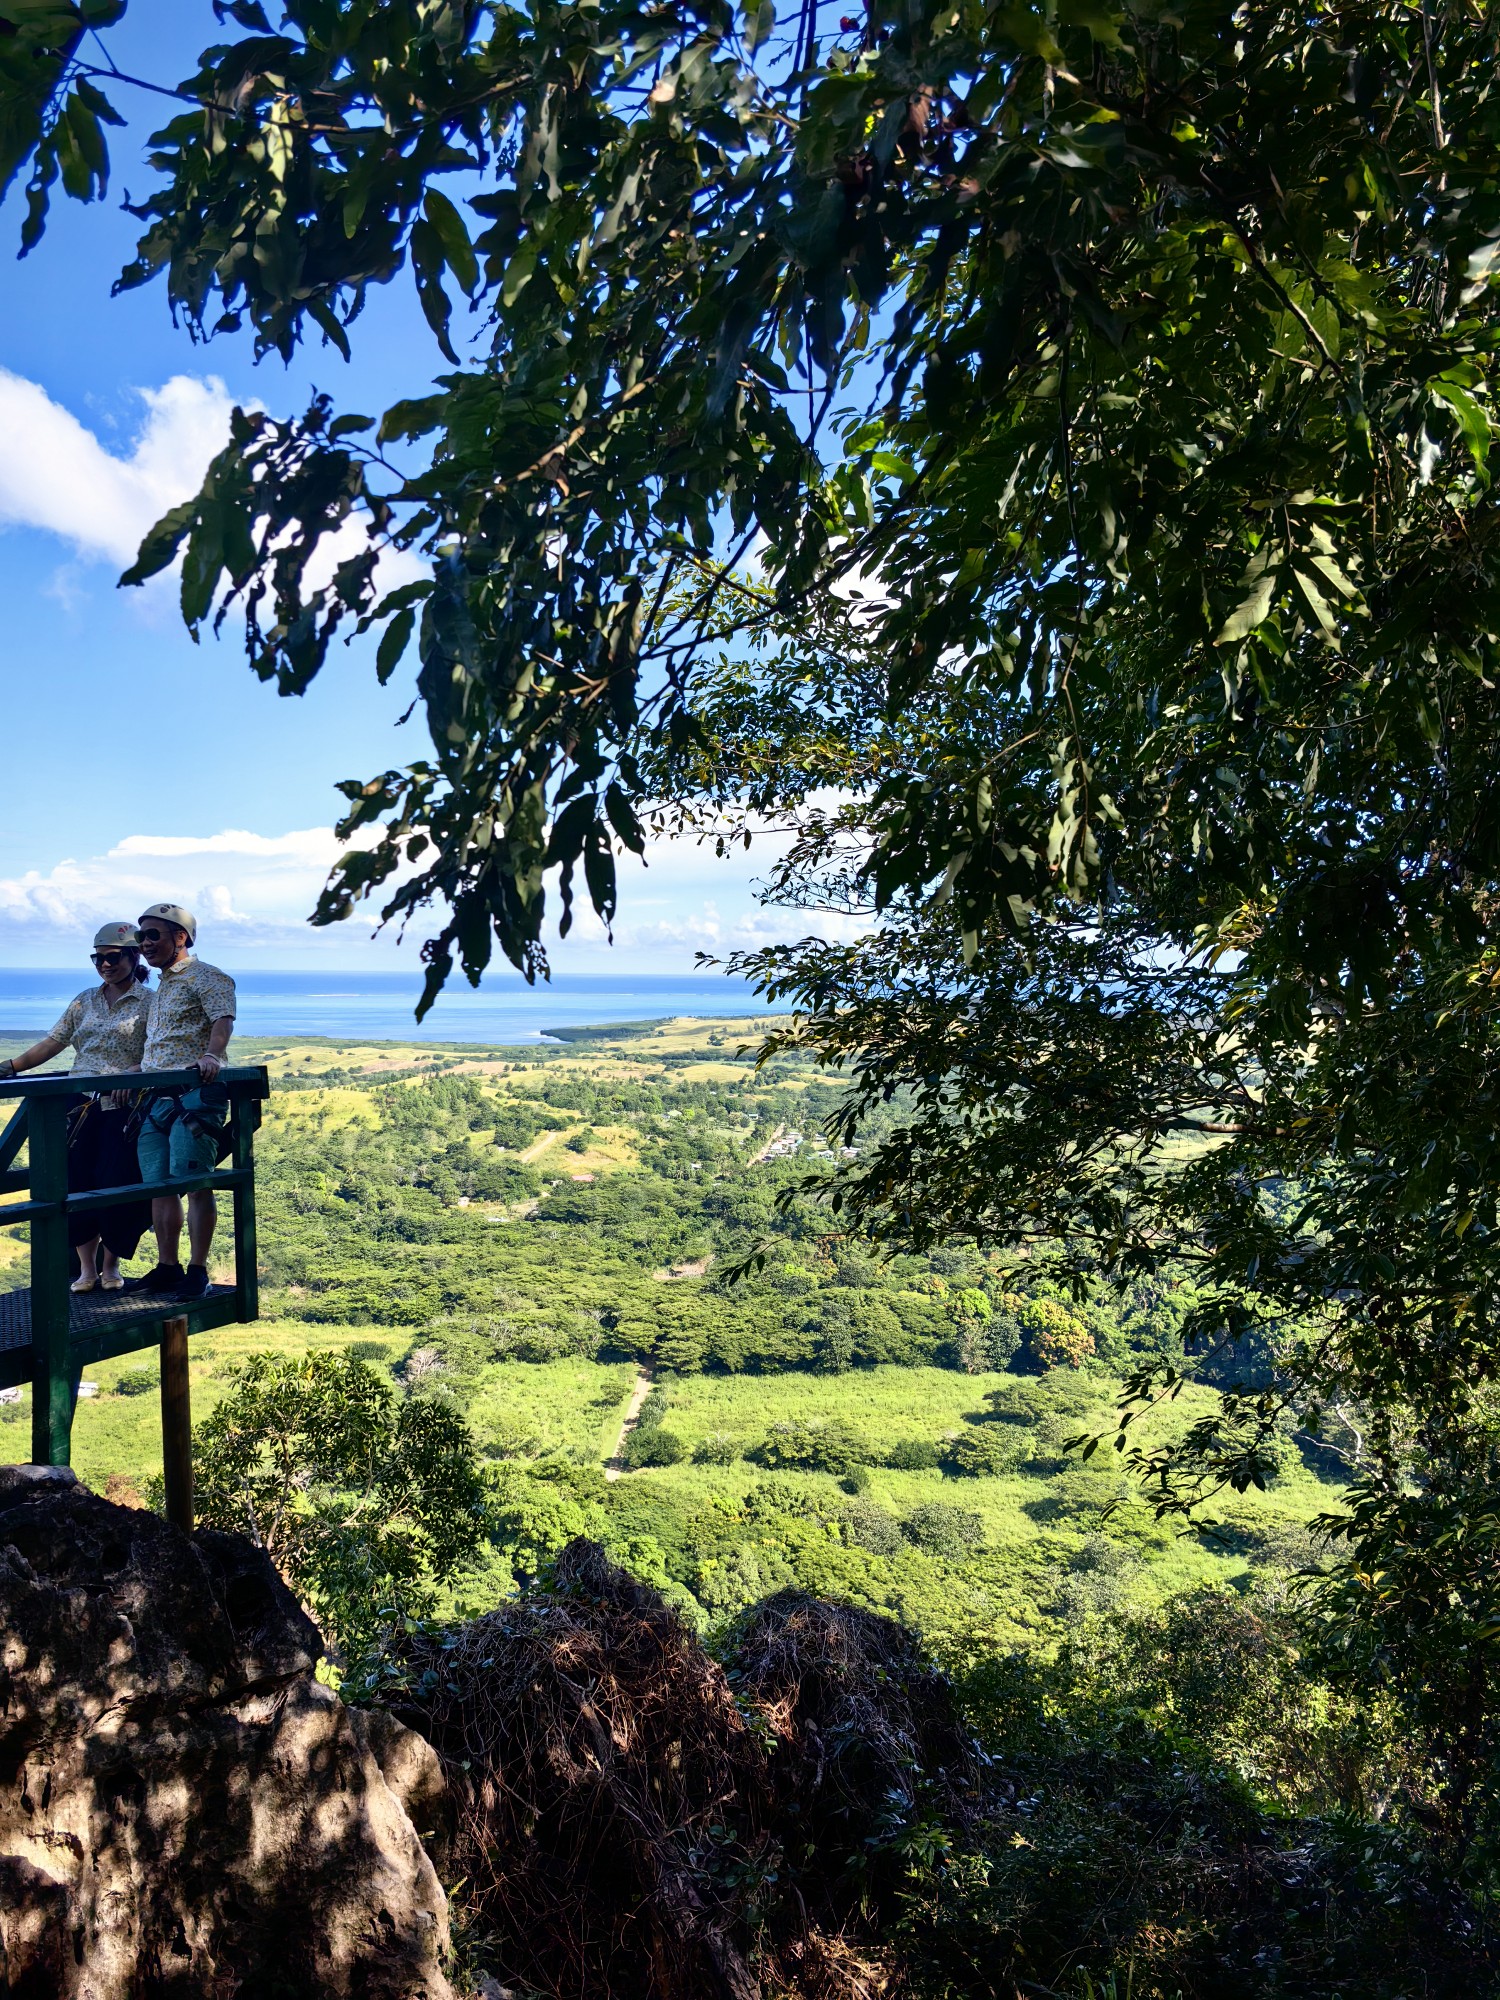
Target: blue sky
{"points": [[137, 764]]}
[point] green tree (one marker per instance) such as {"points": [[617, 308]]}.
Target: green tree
{"points": [[975, 1316], [1165, 352], [978, 1454], [538, 1509], [834, 1445], [1417, 1612], [1051, 1336], [363, 1501]]}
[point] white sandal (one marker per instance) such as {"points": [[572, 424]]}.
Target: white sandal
{"points": [[112, 1281], [83, 1284]]}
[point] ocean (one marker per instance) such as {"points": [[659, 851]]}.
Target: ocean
{"points": [[377, 1006]]}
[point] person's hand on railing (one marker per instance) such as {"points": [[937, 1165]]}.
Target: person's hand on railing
{"points": [[212, 1059]]}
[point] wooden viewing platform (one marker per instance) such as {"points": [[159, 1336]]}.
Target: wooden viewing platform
{"points": [[48, 1333], [104, 1324]]}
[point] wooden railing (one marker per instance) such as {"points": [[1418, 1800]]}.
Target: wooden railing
{"points": [[48, 1333]]}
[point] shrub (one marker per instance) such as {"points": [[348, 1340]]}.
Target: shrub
{"points": [[912, 1455], [1277, 1456], [509, 1438], [977, 1454], [1082, 1886], [368, 1350], [137, 1382], [856, 1481], [718, 1448], [656, 1446], [1018, 1401], [795, 1445], [870, 1527], [1079, 1494], [941, 1530], [652, 1410], [767, 1499]]}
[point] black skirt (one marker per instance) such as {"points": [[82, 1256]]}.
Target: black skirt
{"points": [[101, 1154]]}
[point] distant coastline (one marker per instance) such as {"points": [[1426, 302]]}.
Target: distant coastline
{"points": [[380, 1006]]}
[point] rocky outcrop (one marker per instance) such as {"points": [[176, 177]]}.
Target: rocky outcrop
{"points": [[184, 1808], [633, 1818]]}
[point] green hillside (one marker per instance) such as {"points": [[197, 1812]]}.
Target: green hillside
{"points": [[536, 1237]]}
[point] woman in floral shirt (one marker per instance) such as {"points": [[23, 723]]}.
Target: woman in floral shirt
{"points": [[105, 1026]]}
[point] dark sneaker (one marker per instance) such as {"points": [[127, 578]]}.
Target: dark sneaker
{"points": [[193, 1286], [164, 1278]]}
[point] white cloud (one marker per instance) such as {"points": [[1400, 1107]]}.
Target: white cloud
{"points": [[254, 888], [252, 894], [750, 929], [56, 475], [314, 844], [687, 898]]}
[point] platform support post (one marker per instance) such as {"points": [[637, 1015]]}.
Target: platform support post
{"points": [[51, 1275], [243, 1118], [176, 1424]]}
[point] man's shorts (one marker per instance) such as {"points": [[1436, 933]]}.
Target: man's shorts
{"points": [[168, 1146]]}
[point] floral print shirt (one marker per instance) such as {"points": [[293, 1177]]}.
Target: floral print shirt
{"points": [[190, 997], [105, 1035]]}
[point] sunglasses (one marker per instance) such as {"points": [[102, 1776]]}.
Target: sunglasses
{"points": [[108, 957], [152, 937]]}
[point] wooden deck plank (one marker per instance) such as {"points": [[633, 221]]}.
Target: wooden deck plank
{"points": [[103, 1324]]}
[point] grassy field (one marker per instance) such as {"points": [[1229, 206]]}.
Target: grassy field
{"points": [[355, 1198], [1041, 1529], [117, 1433], [1047, 1517]]}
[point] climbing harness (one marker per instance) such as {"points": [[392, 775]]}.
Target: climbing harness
{"points": [[212, 1097]]}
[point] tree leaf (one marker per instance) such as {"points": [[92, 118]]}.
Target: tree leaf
{"points": [[393, 643], [1473, 423], [427, 264], [1252, 610], [454, 238], [162, 543]]}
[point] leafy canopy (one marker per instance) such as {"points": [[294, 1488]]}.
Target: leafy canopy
{"points": [[364, 1503], [1163, 335]]}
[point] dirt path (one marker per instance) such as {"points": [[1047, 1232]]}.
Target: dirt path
{"points": [[779, 1133], [538, 1146], [697, 1268], [643, 1378]]}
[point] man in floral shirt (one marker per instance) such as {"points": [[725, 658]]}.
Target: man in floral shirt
{"points": [[188, 1026]]}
